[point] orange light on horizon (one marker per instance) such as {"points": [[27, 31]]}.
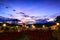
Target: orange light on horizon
{"points": [[4, 25], [33, 26], [53, 27], [57, 24], [43, 26], [27, 27], [17, 26]]}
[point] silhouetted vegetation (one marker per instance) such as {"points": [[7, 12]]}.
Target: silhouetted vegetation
{"points": [[58, 19]]}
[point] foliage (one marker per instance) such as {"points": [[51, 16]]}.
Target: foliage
{"points": [[26, 37], [56, 33], [58, 19]]}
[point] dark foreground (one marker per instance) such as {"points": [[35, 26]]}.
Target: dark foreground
{"points": [[29, 35]]}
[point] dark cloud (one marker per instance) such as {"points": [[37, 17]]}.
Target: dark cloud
{"points": [[10, 15], [20, 13], [6, 7], [25, 15], [33, 17], [14, 10]]}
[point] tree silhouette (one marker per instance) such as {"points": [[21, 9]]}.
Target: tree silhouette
{"points": [[58, 19], [15, 21]]}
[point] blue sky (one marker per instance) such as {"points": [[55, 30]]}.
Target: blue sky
{"points": [[38, 8]]}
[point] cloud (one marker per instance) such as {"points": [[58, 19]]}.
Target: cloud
{"points": [[14, 10], [25, 15], [35, 17], [10, 15], [20, 13]]}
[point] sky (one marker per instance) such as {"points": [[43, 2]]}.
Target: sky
{"points": [[27, 9]]}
